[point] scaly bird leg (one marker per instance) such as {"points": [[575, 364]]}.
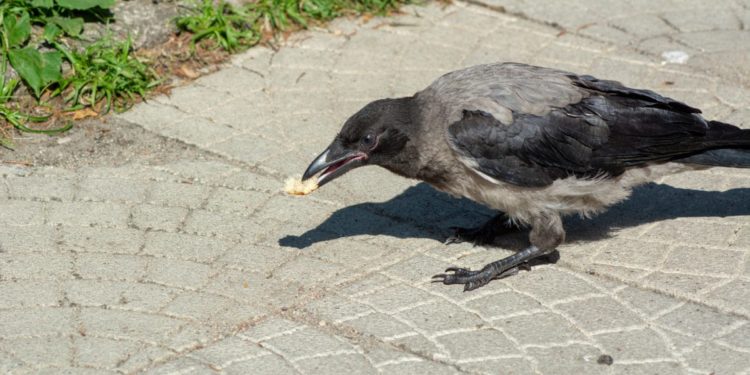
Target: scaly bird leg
{"points": [[546, 234]]}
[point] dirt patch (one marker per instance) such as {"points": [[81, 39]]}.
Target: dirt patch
{"points": [[100, 142]]}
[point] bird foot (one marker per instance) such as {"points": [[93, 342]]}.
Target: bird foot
{"points": [[475, 279], [496, 270]]}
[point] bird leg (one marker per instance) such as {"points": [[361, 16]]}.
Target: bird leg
{"points": [[485, 233], [546, 234]]}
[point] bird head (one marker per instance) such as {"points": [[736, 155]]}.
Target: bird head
{"points": [[377, 134]]}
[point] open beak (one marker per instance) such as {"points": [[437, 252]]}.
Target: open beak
{"points": [[332, 164]]}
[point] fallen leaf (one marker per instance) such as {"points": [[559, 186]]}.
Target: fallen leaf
{"points": [[84, 113], [187, 72]]}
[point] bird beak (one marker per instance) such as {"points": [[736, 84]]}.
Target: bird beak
{"points": [[334, 163]]}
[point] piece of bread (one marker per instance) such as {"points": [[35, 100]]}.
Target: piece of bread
{"points": [[295, 186]]}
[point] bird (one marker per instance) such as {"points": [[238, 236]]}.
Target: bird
{"points": [[534, 144]]}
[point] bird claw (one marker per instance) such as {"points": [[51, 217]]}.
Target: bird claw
{"points": [[475, 279]]}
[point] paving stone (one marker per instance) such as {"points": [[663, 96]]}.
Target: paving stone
{"points": [[41, 187], [17, 212], [380, 325], [116, 294], [646, 302], [337, 364], [463, 345], [41, 321], [576, 358], [696, 319], [717, 359], [110, 266], [229, 351], [268, 364], [184, 246], [130, 325], [18, 294], [26, 239], [178, 273], [419, 367], [499, 305], [105, 240], [53, 351], [305, 343], [539, 329], [36, 266], [636, 345], [91, 214], [600, 313], [667, 368], [112, 189], [436, 317], [103, 353], [178, 194], [397, 297], [167, 219]]}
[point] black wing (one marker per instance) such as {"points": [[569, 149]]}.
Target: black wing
{"points": [[610, 130]]}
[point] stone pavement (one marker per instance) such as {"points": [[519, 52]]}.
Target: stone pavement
{"points": [[204, 266]]}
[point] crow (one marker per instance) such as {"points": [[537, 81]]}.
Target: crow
{"points": [[533, 143]]}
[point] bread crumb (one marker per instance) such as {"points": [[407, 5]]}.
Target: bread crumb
{"points": [[295, 186]]}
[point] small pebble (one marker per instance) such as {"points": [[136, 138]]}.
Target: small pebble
{"points": [[605, 359]]}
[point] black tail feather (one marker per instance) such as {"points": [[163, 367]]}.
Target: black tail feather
{"points": [[723, 157], [729, 146]]}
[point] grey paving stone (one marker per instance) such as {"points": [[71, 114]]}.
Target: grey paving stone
{"points": [[105, 240], [635, 345], [53, 351], [167, 219], [18, 212], [337, 364], [463, 345], [103, 353], [37, 321], [19, 294], [540, 329], [36, 266], [117, 294], [91, 214], [184, 246]]}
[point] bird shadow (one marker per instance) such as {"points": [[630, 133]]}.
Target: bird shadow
{"points": [[422, 212]]}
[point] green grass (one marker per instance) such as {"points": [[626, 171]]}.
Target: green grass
{"points": [[105, 72], [237, 28]]}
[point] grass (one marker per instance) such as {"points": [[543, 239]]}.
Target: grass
{"points": [[236, 28], [105, 76]]}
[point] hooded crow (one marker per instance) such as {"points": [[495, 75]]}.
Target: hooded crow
{"points": [[533, 143]]}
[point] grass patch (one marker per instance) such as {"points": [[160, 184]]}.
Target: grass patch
{"points": [[237, 28], [106, 75]]}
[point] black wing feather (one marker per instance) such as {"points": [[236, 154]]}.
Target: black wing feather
{"points": [[604, 134]]}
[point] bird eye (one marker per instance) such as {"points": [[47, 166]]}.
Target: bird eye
{"points": [[368, 140]]}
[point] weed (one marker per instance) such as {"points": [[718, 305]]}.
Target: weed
{"points": [[105, 71], [232, 28], [236, 28]]}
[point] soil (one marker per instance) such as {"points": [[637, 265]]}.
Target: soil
{"points": [[99, 142]]}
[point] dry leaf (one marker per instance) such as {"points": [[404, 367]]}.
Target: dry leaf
{"points": [[187, 72], [84, 113]]}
